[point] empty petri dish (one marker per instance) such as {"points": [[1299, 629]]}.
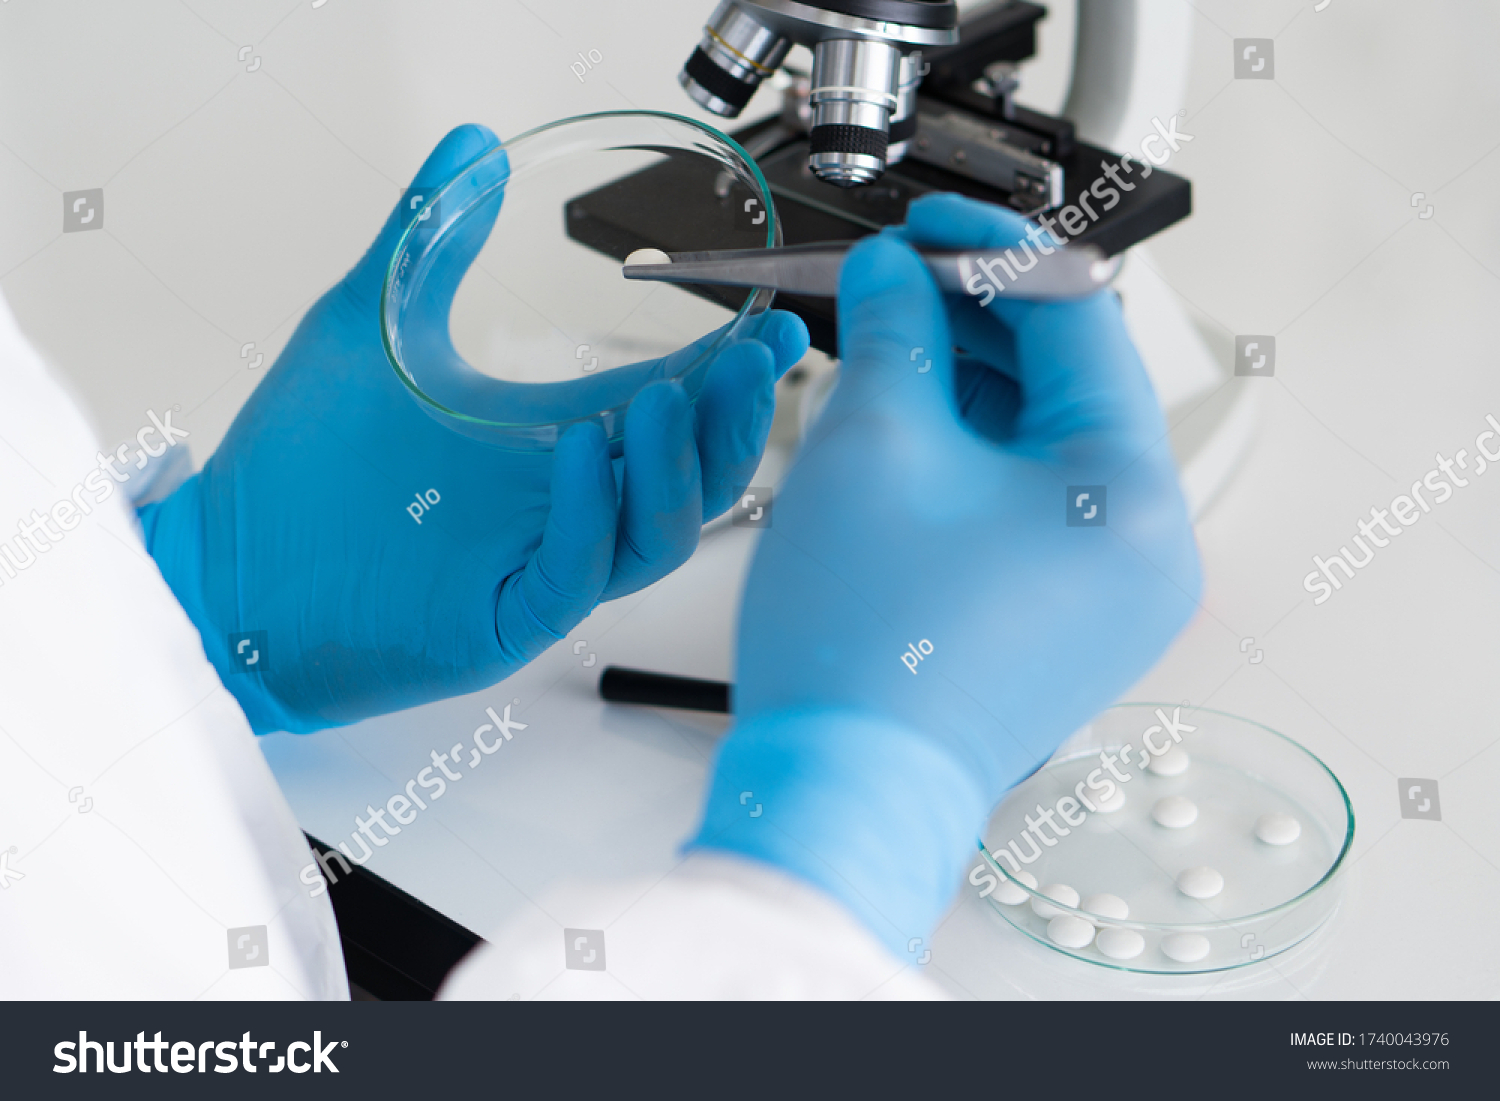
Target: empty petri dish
{"points": [[504, 311], [1272, 897]]}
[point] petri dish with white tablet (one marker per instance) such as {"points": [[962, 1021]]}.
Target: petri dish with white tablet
{"points": [[1221, 864]]}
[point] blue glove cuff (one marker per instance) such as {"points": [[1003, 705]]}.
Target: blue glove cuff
{"points": [[173, 530], [870, 811]]}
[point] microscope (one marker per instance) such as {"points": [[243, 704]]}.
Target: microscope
{"points": [[904, 97]]}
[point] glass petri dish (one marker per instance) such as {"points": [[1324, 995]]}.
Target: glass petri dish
{"points": [[1273, 895], [504, 313]]}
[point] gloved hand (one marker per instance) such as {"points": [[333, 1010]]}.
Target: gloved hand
{"points": [[298, 525], [921, 626]]}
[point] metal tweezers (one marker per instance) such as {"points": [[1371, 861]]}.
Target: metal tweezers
{"points": [[813, 269]]}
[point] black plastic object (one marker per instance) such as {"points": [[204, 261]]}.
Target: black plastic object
{"points": [[1004, 31], [396, 947], [620, 685]]}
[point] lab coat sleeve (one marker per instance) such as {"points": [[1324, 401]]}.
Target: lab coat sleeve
{"points": [[716, 926], [145, 848]]}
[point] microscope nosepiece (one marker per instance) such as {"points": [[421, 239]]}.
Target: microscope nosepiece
{"points": [[865, 73]]}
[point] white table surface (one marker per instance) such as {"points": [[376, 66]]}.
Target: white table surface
{"points": [[232, 200]]}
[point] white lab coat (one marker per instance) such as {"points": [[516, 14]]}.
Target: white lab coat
{"points": [[145, 846]]}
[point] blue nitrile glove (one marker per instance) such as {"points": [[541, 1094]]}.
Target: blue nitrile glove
{"points": [[299, 524], [921, 626]]}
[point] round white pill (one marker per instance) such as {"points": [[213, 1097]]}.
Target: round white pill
{"points": [[1277, 829], [1200, 882], [1175, 812], [1010, 894], [647, 256], [1057, 892], [1185, 947], [1109, 906], [1115, 801], [1070, 931], [1174, 762], [1121, 944]]}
